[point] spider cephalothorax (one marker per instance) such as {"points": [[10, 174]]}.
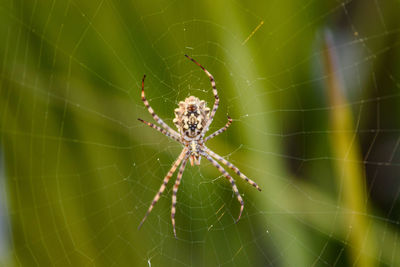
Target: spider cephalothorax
{"points": [[192, 118]]}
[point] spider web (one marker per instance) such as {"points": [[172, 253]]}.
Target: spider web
{"points": [[79, 171]]}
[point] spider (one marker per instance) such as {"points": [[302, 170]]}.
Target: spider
{"points": [[192, 118]]}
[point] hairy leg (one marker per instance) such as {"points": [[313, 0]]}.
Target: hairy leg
{"points": [[215, 92], [220, 131], [155, 116], [233, 167], [161, 130], [227, 176], [164, 184], [175, 191]]}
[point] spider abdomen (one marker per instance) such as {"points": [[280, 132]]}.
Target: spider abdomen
{"points": [[191, 117]]}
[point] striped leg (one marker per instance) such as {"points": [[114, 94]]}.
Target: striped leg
{"points": [[161, 130], [155, 116], [164, 184], [223, 129], [227, 176], [233, 167], [175, 191], [215, 92]]}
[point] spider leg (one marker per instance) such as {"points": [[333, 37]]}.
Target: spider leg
{"points": [[231, 166], [155, 116], [164, 184], [161, 130], [215, 92], [223, 129], [175, 191], [227, 176]]}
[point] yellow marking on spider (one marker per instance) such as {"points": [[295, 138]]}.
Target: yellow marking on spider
{"points": [[253, 32]]}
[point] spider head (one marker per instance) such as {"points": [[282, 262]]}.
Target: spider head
{"points": [[191, 116], [194, 153]]}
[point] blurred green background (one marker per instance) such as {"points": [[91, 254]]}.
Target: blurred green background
{"points": [[313, 88]]}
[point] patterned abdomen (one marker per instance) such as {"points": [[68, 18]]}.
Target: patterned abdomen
{"points": [[191, 116]]}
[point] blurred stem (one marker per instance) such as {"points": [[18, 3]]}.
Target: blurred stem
{"points": [[285, 229], [350, 171]]}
